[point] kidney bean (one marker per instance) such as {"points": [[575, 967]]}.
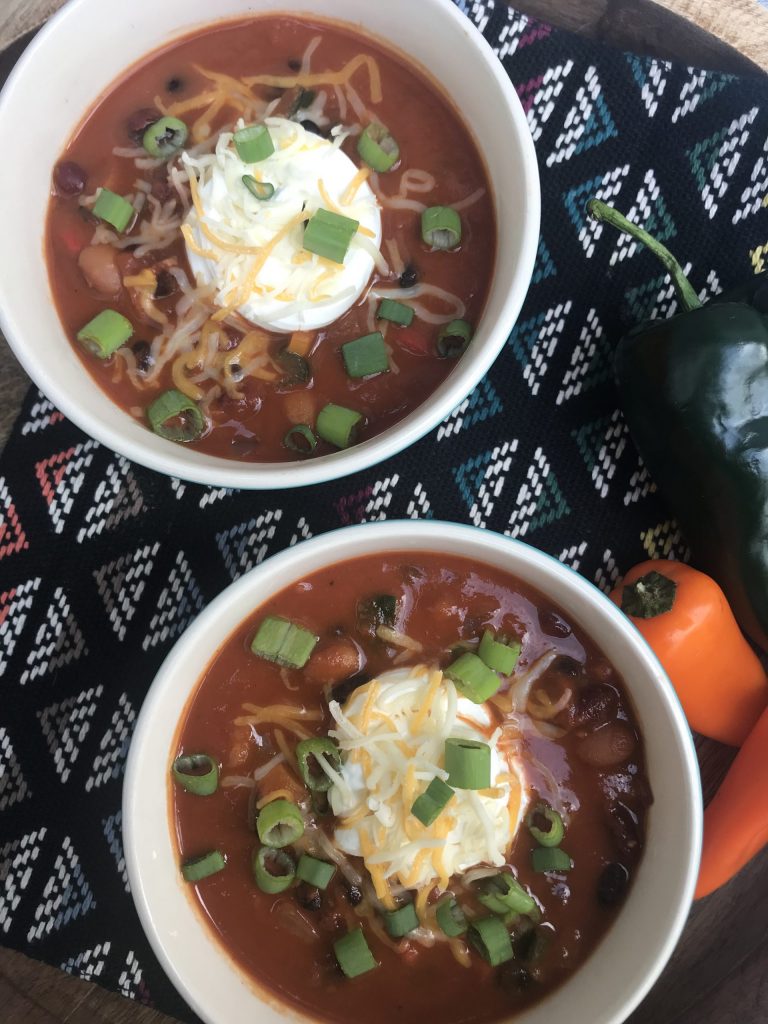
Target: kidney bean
{"points": [[69, 178], [333, 661], [595, 705], [553, 624], [139, 121], [610, 745]]}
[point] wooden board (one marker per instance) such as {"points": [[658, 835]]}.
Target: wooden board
{"points": [[719, 973]]}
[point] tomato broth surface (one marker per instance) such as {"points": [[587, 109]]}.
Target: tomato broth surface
{"points": [[563, 717], [238, 387]]}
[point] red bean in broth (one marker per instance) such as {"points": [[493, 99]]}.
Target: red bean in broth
{"points": [[139, 121], [69, 178], [609, 746]]}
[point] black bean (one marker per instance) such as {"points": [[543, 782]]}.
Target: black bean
{"points": [[174, 84], [612, 884], [69, 178], [294, 64], [625, 829], [139, 121], [166, 284], [354, 895], [553, 624], [143, 354], [409, 276], [310, 126], [309, 897], [340, 691], [513, 978], [567, 666]]}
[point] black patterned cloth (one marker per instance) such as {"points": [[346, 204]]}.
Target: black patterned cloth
{"points": [[103, 563]]}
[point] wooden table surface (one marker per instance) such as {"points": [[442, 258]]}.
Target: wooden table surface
{"points": [[719, 973]]}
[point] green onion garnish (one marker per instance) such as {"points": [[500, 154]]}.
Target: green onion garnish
{"points": [[328, 234], [553, 830], [353, 954], [453, 339], [300, 439], [176, 417], [441, 227], [262, 190], [314, 872], [498, 656], [491, 940], [550, 858], [378, 148], [105, 333], [197, 773], [428, 807], [114, 209], [306, 750], [401, 921], [165, 137], [198, 868], [273, 870], [503, 893], [337, 425], [396, 312], [279, 824], [468, 763], [283, 642], [473, 679], [451, 917], [253, 143], [366, 356]]}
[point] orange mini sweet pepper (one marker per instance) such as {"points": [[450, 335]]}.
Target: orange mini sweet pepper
{"points": [[686, 620]]}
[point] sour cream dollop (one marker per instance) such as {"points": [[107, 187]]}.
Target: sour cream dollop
{"points": [[393, 731], [292, 289]]}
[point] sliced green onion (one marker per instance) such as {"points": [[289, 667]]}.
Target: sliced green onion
{"points": [[174, 406], [468, 763], [503, 894], [260, 189], [441, 227], [396, 312], [550, 858], [253, 143], [428, 807], [273, 870], [317, 781], [328, 234], [300, 439], [491, 940], [279, 824], [354, 954], [198, 868], [114, 209], [453, 339], [401, 921], [105, 333], [337, 425], [554, 830], [451, 917], [380, 610], [473, 679], [165, 137], [283, 642], [500, 657], [366, 356], [315, 872], [187, 772], [378, 148]]}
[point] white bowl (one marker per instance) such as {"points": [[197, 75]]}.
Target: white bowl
{"points": [[79, 54], [610, 984]]}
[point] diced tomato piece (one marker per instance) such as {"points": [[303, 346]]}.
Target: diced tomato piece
{"points": [[412, 340]]}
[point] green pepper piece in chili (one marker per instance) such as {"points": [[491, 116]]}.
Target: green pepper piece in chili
{"points": [[700, 379]]}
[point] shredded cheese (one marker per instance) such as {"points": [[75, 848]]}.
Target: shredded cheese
{"points": [[275, 794], [326, 77]]}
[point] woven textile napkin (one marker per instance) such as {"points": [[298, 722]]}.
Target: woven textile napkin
{"points": [[103, 564]]}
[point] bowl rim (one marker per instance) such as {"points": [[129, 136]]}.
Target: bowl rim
{"points": [[398, 535], [216, 471]]}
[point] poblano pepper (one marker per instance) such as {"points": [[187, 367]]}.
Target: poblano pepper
{"points": [[694, 391]]}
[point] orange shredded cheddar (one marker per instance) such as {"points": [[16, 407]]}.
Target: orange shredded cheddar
{"points": [[326, 77], [349, 192], [276, 794]]}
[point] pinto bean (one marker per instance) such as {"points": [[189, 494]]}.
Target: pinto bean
{"points": [[99, 267], [610, 745], [332, 661], [299, 406]]}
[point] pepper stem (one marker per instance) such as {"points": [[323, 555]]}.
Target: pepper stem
{"points": [[605, 214], [649, 596]]}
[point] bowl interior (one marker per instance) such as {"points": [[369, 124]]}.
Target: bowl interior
{"points": [[614, 979], [76, 57]]}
